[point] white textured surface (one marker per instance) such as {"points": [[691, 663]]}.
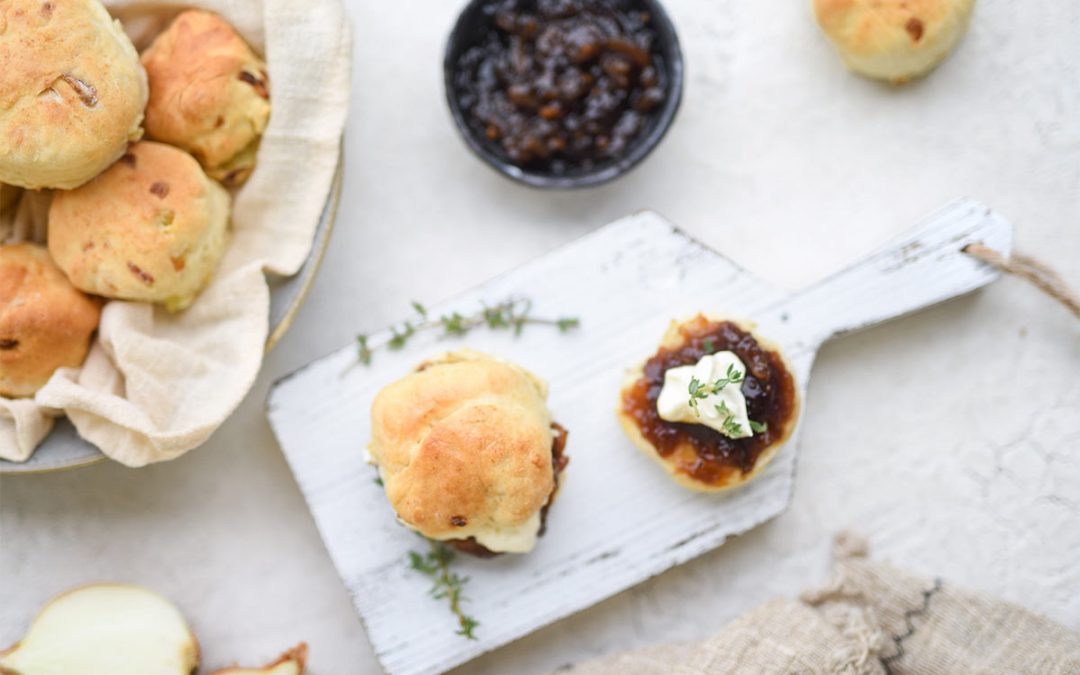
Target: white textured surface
{"points": [[782, 160]]}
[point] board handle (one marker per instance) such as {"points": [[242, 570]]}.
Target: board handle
{"points": [[920, 268]]}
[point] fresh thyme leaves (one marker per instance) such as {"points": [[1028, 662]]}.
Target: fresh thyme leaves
{"points": [[445, 584], [511, 314], [378, 481], [363, 350], [731, 428], [710, 345], [700, 391], [398, 338]]}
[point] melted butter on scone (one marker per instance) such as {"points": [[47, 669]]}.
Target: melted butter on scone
{"points": [[507, 539], [723, 409]]}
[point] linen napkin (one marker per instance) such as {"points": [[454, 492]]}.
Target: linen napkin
{"points": [[156, 385]]}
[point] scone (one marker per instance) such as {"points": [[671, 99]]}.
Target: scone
{"points": [[72, 92], [152, 228], [209, 94], [468, 452], [713, 405], [894, 40], [45, 323]]}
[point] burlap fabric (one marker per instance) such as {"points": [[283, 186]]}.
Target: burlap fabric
{"points": [[869, 619]]}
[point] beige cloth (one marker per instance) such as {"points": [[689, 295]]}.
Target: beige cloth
{"points": [[869, 619], [157, 385]]}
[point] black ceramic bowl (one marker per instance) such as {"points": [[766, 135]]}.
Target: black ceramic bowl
{"points": [[474, 24]]}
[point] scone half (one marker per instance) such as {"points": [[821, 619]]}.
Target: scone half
{"points": [[468, 452], [696, 456]]}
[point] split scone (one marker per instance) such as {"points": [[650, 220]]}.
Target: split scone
{"points": [[152, 228], [209, 94], [468, 452], [713, 405], [894, 40], [45, 323], [72, 92]]}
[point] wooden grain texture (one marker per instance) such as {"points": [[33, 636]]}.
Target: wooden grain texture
{"points": [[618, 520]]}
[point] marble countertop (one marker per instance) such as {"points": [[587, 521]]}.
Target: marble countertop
{"points": [[951, 438]]}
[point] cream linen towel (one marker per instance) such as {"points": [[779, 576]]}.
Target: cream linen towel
{"points": [[869, 620], [157, 385]]}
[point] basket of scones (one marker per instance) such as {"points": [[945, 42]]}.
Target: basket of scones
{"points": [[160, 167]]}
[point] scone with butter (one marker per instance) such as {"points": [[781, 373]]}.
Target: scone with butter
{"points": [[72, 92], [209, 94], [713, 405], [45, 323], [468, 452], [152, 228], [894, 40]]}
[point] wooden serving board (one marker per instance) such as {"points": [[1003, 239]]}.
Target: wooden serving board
{"points": [[619, 519]]}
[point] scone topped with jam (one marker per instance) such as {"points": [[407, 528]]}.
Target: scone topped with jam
{"points": [[713, 405], [468, 452]]}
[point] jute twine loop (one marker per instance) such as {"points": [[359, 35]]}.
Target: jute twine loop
{"points": [[1034, 271]]}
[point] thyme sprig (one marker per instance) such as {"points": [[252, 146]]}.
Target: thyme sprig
{"points": [[699, 390], [730, 427], [511, 314], [445, 584]]}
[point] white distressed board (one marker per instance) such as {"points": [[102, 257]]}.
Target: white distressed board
{"points": [[619, 519]]}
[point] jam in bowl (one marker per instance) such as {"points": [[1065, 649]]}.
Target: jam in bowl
{"points": [[563, 93]]}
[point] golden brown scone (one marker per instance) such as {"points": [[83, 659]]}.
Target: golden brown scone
{"points": [[72, 92], [465, 448], [151, 228], [45, 323], [697, 457], [209, 94], [894, 40]]}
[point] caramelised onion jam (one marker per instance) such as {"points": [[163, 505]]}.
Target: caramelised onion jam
{"points": [[562, 84], [768, 387]]}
